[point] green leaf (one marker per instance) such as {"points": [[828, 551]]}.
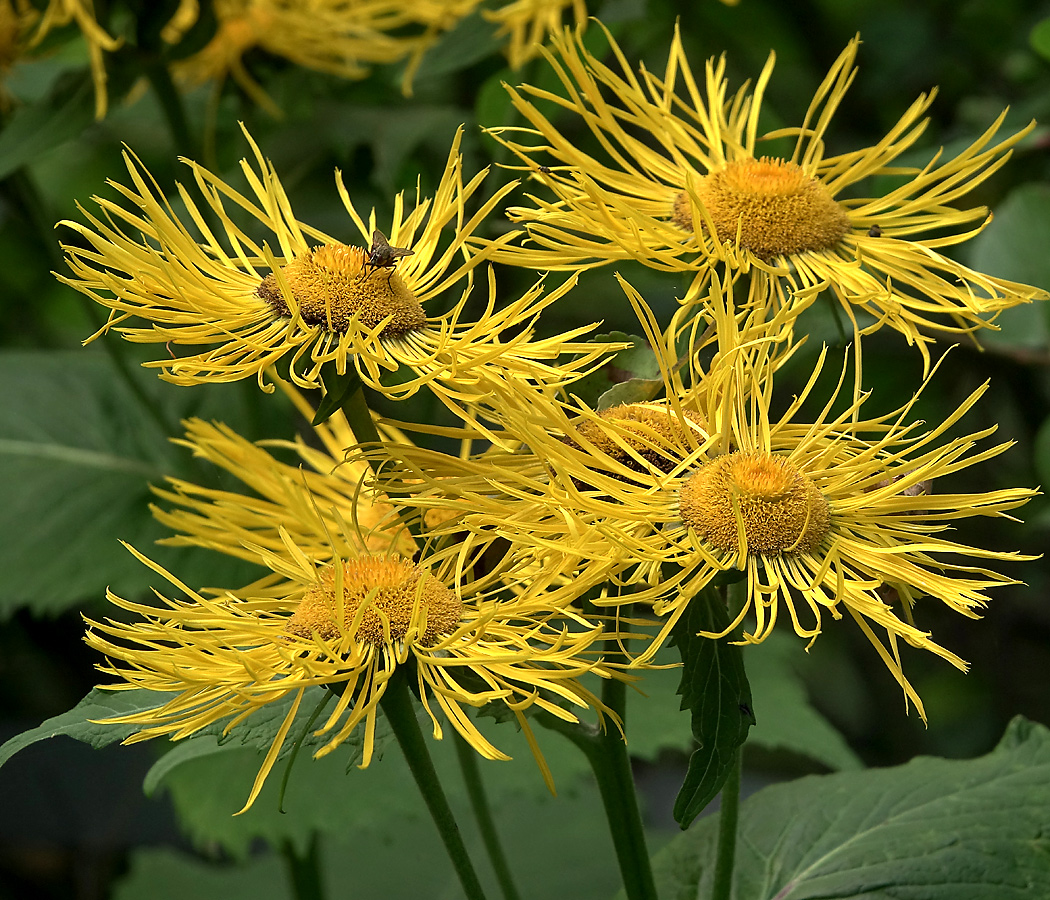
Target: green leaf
{"points": [[59, 117], [1039, 38], [337, 389], [631, 376], [472, 39], [76, 723], [164, 873], [209, 784], [656, 721], [788, 720], [1013, 246], [78, 451], [394, 851], [256, 732], [934, 829], [715, 690]]}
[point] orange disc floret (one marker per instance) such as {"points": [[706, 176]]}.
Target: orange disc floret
{"points": [[766, 498], [382, 599]]}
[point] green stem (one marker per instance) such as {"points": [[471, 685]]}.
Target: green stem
{"points": [[359, 417], [727, 827], [304, 872], [606, 751], [174, 111], [612, 769], [468, 764], [357, 413], [397, 706]]}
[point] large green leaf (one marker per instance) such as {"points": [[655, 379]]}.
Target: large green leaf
{"points": [[53, 120], [168, 874], [1014, 246], [788, 722], [934, 829], [208, 785], [472, 39], [393, 851], [79, 449], [715, 690], [82, 724], [76, 723]]}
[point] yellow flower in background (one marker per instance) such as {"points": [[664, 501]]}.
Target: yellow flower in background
{"points": [[335, 614], [60, 13], [300, 293], [529, 23], [315, 507], [341, 37], [685, 183]]}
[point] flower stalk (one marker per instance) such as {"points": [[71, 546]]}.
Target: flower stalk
{"points": [[304, 870], [727, 828], [397, 705], [468, 764]]}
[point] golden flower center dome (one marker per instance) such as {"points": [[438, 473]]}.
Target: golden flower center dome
{"points": [[386, 596], [651, 431], [779, 509], [778, 209], [333, 284]]}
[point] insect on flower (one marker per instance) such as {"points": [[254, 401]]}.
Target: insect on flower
{"points": [[382, 256]]}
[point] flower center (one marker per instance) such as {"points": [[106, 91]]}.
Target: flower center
{"points": [[332, 286], [652, 432], [778, 209], [779, 508], [384, 597]]}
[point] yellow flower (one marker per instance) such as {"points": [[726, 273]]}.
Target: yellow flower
{"points": [[334, 36], [60, 13], [332, 612], [529, 23], [824, 516], [15, 19], [556, 458], [683, 184], [303, 294], [326, 503]]}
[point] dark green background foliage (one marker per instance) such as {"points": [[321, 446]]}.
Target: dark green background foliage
{"points": [[83, 432]]}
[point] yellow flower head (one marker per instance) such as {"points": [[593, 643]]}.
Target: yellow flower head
{"points": [[684, 184], [301, 293], [823, 516], [555, 455], [334, 36], [334, 612]]}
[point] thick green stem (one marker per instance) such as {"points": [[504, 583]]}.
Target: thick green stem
{"points": [[606, 751], [397, 705], [727, 822], [468, 763], [612, 769], [304, 872]]}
